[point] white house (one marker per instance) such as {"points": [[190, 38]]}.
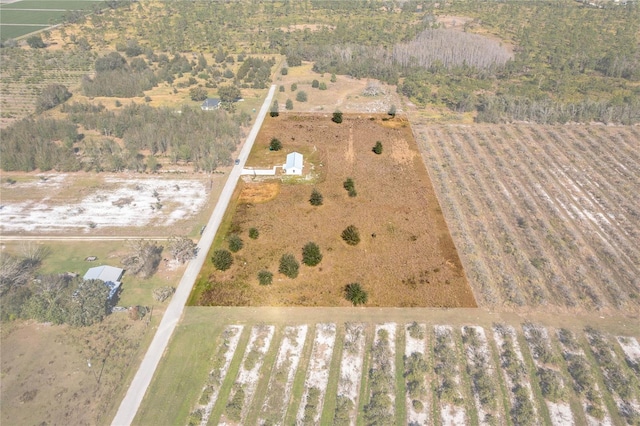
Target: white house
{"points": [[294, 164], [108, 274], [210, 104]]}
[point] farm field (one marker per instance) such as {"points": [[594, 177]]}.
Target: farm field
{"points": [[405, 256], [542, 216], [20, 18], [421, 365]]}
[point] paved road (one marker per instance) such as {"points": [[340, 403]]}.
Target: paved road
{"points": [[137, 389], [79, 238]]}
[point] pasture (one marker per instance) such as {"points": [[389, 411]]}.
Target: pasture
{"points": [[225, 366], [405, 256]]}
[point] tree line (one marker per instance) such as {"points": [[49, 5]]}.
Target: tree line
{"points": [[205, 139]]}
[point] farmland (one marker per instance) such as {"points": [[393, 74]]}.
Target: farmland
{"points": [[528, 372], [543, 216]]}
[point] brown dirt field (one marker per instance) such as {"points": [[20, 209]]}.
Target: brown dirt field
{"points": [[406, 256], [46, 379]]}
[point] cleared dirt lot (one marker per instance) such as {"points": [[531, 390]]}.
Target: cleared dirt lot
{"points": [[406, 256]]}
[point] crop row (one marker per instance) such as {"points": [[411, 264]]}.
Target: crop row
{"points": [[541, 214], [353, 374]]}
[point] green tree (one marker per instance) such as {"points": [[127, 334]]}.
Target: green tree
{"points": [[337, 117], [355, 294], [315, 84], [281, 88], [228, 93], [289, 104], [351, 235], [89, 303], [294, 87], [198, 94], [301, 96], [316, 198], [222, 259], [254, 233], [311, 254], [284, 71], [275, 145], [350, 187], [35, 42], [51, 96], [265, 277], [274, 112], [235, 243], [289, 266], [378, 148]]}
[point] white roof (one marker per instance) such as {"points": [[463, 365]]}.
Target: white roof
{"points": [[104, 273], [294, 160]]}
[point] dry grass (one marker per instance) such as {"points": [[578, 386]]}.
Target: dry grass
{"points": [[406, 256]]}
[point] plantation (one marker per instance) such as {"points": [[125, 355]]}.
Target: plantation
{"points": [[332, 366]]}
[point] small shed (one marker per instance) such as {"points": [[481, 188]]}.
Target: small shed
{"points": [[210, 104], [110, 275], [294, 164]]}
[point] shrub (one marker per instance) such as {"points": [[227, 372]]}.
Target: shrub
{"points": [[294, 87], [275, 145], [274, 109], [311, 255], [289, 104], [281, 89], [284, 71], [392, 111], [333, 78], [355, 294], [351, 235], [315, 84], [35, 42], [378, 148], [323, 86], [301, 96], [316, 198], [289, 266], [337, 117], [253, 233], [222, 259], [235, 243], [350, 187], [265, 277]]}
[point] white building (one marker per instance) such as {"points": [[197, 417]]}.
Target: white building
{"points": [[294, 164], [108, 274]]}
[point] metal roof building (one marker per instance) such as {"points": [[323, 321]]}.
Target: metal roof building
{"points": [[294, 164], [108, 274]]}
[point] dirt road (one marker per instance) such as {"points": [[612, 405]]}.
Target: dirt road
{"points": [[140, 383]]}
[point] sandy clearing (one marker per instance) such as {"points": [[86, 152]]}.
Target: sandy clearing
{"points": [[351, 366], [318, 370], [630, 347], [453, 415], [121, 202]]}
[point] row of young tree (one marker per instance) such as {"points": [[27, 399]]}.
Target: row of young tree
{"points": [[47, 144]]}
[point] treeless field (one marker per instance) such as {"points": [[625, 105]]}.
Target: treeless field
{"points": [[406, 256]]}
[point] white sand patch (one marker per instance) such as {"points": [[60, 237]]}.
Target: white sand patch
{"points": [[351, 366], [134, 202], [232, 334], [287, 361], [416, 345], [630, 347], [452, 415], [560, 413], [318, 370], [249, 375]]}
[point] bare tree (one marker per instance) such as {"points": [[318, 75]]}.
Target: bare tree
{"points": [[182, 248], [143, 258]]}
